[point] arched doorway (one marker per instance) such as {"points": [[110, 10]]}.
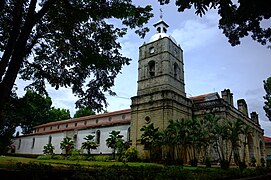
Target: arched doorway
{"points": [[250, 147], [261, 149]]}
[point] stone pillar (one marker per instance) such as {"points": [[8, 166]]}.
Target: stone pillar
{"points": [[254, 117], [227, 96]]}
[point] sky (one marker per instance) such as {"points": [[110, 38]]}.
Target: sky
{"points": [[211, 64]]}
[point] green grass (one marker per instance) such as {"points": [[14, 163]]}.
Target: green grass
{"points": [[7, 161]]}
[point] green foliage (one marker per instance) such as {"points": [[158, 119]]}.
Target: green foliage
{"points": [[267, 97], [65, 51], [57, 114], [48, 149], [103, 158], [67, 144], [238, 18], [76, 155], [89, 144], [115, 141], [151, 139], [45, 157], [131, 154], [84, 111]]}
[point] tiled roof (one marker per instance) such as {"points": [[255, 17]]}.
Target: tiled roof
{"points": [[126, 121], [203, 97], [125, 111], [267, 139]]}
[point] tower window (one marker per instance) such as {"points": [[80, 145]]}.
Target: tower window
{"points": [[159, 29], [164, 30], [151, 50], [152, 68]]}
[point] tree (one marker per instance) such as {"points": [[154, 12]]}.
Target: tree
{"points": [[237, 18], [67, 144], [57, 114], [89, 144], [8, 123], [114, 141], [84, 111], [267, 97], [151, 138], [66, 43]]}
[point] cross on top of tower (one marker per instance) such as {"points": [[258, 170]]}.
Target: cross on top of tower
{"points": [[161, 13]]}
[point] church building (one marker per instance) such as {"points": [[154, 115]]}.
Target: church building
{"points": [[160, 97]]}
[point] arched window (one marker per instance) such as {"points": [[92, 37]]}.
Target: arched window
{"points": [[152, 68], [98, 136], [159, 29], [261, 149], [50, 140], [128, 134], [33, 143], [20, 141]]}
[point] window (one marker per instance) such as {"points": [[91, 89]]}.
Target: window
{"points": [[176, 70], [97, 121], [58, 127], [75, 124], [98, 136], [152, 68], [85, 123], [50, 140], [43, 129], [110, 119], [20, 141], [67, 125], [51, 128], [159, 29], [38, 130], [33, 143], [123, 117], [128, 134], [147, 119], [151, 50]]}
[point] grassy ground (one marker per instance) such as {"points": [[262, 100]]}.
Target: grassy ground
{"points": [[9, 161]]}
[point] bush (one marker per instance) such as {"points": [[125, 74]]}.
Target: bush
{"points": [[224, 164], [208, 162], [45, 157], [193, 162], [75, 155], [131, 155], [103, 158]]}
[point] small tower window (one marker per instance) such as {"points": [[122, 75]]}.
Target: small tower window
{"points": [[152, 68], [159, 29], [164, 30]]}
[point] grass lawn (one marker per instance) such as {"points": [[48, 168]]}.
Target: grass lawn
{"points": [[9, 161]]}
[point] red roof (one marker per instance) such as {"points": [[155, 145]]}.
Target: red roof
{"points": [[267, 139]]}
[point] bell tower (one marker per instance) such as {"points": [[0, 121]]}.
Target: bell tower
{"points": [[160, 94]]}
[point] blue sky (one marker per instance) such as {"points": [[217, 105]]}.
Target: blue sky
{"points": [[211, 64]]}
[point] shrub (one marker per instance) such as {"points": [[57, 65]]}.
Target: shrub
{"points": [[262, 162], [45, 157], [193, 162], [224, 164], [208, 162], [253, 161], [131, 155], [48, 149], [75, 155], [103, 158]]}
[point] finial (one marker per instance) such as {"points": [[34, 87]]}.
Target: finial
{"points": [[161, 13]]}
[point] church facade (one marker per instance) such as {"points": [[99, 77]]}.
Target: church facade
{"points": [[160, 97]]}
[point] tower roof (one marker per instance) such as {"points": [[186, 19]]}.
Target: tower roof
{"points": [[161, 31]]}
